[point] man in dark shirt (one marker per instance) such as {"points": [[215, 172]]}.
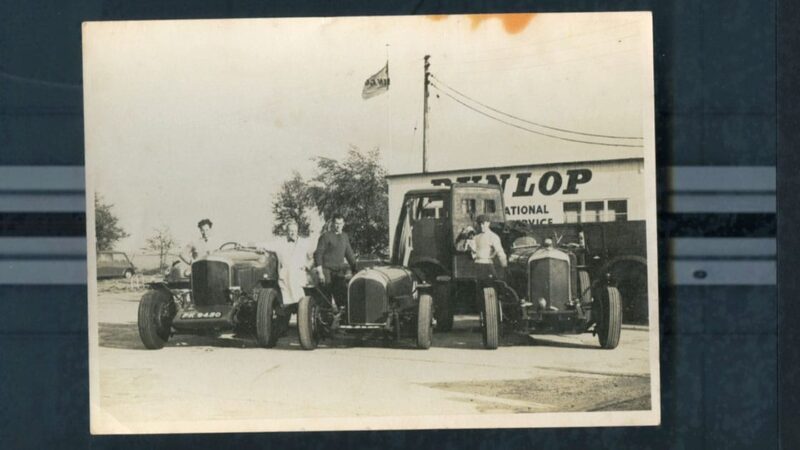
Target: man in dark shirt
{"points": [[333, 248]]}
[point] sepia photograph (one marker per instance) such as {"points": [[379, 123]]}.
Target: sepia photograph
{"points": [[371, 223]]}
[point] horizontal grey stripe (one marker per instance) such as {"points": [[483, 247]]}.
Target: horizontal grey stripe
{"points": [[721, 179], [684, 272], [75, 202], [722, 247], [682, 203], [681, 178], [42, 178], [677, 203], [43, 246], [736, 273], [678, 247], [42, 272]]}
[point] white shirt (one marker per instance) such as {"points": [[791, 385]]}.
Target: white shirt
{"points": [[295, 258], [196, 249], [486, 247]]}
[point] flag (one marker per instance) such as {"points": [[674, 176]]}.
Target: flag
{"points": [[376, 84]]}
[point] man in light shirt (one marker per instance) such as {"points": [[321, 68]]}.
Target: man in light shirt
{"points": [[485, 247], [201, 246]]}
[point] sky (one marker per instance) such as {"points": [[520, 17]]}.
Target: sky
{"points": [[206, 118]]}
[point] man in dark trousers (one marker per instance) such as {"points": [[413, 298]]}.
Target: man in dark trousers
{"points": [[333, 248]]}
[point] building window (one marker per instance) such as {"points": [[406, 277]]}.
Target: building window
{"points": [[468, 206], [489, 207], [572, 212], [618, 210], [593, 212], [596, 211]]}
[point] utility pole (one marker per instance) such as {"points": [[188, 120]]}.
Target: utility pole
{"points": [[425, 116]]}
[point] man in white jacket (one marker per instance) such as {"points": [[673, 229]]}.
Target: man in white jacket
{"points": [[295, 258]]}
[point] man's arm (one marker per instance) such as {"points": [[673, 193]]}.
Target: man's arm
{"points": [[187, 255], [349, 255], [501, 254], [322, 243]]}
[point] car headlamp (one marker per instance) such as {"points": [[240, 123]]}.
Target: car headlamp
{"points": [[542, 303]]}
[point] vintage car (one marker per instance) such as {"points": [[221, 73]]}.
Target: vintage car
{"points": [[234, 288], [387, 302], [547, 290], [114, 265]]}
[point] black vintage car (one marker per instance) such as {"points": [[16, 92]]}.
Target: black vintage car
{"points": [[549, 291], [234, 288], [387, 302]]}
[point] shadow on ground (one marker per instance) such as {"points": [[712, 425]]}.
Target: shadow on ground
{"points": [[466, 334], [560, 393]]}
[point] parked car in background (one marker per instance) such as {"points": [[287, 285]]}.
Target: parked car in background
{"points": [[114, 265]]}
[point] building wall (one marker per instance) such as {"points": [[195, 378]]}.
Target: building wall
{"points": [[536, 194]]}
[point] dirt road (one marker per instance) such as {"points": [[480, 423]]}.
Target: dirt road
{"points": [[224, 378]]}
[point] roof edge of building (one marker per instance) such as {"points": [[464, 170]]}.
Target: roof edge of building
{"points": [[519, 166]]}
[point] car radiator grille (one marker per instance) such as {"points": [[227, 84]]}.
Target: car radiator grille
{"points": [[210, 282], [366, 301], [549, 279]]}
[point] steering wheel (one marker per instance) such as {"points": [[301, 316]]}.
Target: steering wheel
{"points": [[225, 245]]}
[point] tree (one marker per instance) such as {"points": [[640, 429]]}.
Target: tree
{"points": [[161, 242], [106, 229], [290, 204], [357, 189]]}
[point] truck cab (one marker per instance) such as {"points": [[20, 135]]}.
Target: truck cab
{"points": [[431, 223]]}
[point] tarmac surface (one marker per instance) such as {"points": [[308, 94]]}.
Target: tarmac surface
{"points": [[228, 378]]}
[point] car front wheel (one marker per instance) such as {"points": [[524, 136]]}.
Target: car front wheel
{"points": [[491, 319], [156, 311], [424, 328], [267, 317], [306, 323], [609, 323]]}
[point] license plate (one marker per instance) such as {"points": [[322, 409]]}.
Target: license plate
{"points": [[201, 315]]}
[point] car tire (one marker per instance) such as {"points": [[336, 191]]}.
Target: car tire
{"points": [[491, 319], [424, 327], [306, 323], [128, 274], [156, 311], [267, 317], [584, 286], [609, 324], [443, 309]]}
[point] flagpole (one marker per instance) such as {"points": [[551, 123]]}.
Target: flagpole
{"points": [[388, 102], [425, 116]]}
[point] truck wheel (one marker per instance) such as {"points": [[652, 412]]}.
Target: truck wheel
{"points": [[609, 324], [424, 328], [443, 308], [584, 286], [267, 309], [155, 318], [306, 323], [490, 318]]}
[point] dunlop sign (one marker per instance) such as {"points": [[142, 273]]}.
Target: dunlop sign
{"points": [[527, 197]]}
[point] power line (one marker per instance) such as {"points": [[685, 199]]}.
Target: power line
{"points": [[564, 130], [528, 129]]}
